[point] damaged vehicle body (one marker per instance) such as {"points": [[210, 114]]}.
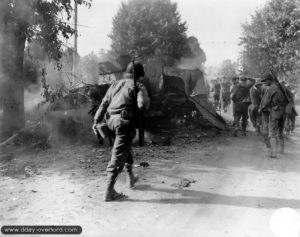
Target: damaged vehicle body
{"points": [[178, 97]]}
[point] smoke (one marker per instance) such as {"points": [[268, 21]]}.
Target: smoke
{"points": [[190, 63], [32, 99]]}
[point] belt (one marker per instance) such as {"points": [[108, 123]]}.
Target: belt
{"points": [[125, 114]]}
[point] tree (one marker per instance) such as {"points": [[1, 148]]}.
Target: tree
{"points": [[89, 68], [271, 38], [21, 22], [151, 28], [228, 68]]}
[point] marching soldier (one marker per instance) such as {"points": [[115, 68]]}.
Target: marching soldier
{"points": [[118, 110], [241, 101], [255, 97], [265, 113], [225, 94], [275, 103], [216, 89], [290, 119]]}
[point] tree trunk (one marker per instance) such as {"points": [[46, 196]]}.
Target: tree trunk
{"points": [[12, 88]]}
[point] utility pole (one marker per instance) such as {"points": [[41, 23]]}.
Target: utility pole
{"points": [[75, 38]]}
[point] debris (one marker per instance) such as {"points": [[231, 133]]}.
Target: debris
{"points": [[260, 204], [90, 196], [6, 156], [33, 191], [161, 140], [144, 164], [184, 183], [30, 171]]}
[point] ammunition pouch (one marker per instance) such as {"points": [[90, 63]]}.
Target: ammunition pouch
{"points": [[127, 114], [289, 109], [277, 111]]}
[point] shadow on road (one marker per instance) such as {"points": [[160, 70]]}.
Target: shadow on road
{"points": [[200, 197]]}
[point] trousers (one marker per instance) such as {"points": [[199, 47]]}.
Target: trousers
{"points": [[121, 154], [240, 111]]}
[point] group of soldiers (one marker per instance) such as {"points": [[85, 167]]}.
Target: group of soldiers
{"points": [[221, 93], [270, 105]]}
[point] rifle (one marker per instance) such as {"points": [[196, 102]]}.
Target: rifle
{"points": [[289, 107], [280, 86], [138, 112]]}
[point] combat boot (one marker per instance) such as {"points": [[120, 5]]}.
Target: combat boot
{"points": [[131, 178], [273, 148], [111, 194], [281, 145], [244, 132]]}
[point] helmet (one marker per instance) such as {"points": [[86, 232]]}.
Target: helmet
{"points": [[259, 81], [138, 69], [267, 77]]}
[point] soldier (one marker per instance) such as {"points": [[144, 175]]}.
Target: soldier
{"points": [[275, 102], [265, 113], [216, 93], [117, 109], [289, 123], [241, 101], [255, 97], [225, 94]]}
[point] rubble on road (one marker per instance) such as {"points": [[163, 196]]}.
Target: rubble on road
{"points": [[183, 183]]}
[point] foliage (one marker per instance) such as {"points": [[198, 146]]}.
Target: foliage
{"points": [[40, 20], [228, 69], [23, 21], [89, 68], [271, 38], [150, 28]]}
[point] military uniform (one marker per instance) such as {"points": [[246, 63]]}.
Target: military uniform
{"points": [[255, 97], [225, 92], [265, 119], [275, 102], [216, 94], [241, 101], [290, 119], [118, 111]]}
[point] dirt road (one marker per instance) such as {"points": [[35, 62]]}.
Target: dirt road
{"points": [[234, 191]]}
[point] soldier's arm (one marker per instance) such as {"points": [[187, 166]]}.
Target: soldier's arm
{"points": [[252, 97], [103, 106], [290, 95], [233, 93], [143, 100], [266, 100]]}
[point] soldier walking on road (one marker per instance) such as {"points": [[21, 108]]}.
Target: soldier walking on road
{"points": [[118, 110], [255, 97], [216, 89], [275, 102], [265, 114], [241, 101], [225, 94]]}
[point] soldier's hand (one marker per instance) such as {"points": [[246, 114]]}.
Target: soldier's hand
{"points": [[259, 111], [94, 127]]}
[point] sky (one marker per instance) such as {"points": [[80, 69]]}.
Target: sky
{"points": [[215, 23]]}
